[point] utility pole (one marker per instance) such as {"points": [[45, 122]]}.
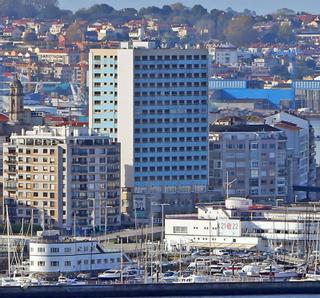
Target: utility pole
{"points": [[106, 222], [228, 184], [162, 232]]}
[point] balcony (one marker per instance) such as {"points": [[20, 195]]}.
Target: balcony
{"points": [[10, 187]]}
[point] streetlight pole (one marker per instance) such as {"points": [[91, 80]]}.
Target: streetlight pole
{"points": [[135, 225], [94, 216], [229, 184], [162, 232], [106, 221]]}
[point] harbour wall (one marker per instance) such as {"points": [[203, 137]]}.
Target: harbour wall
{"points": [[163, 290]]}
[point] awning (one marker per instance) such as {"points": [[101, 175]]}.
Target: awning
{"points": [[221, 245]]}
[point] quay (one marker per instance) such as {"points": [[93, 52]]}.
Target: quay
{"points": [[164, 290]]}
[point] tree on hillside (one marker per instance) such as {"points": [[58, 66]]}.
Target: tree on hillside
{"points": [[74, 33], [285, 12], [240, 31], [286, 34], [198, 11], [30, 37], [95, 12]]}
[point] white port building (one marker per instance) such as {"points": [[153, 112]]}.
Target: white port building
{"points": [[69, 256], [241, 225]]}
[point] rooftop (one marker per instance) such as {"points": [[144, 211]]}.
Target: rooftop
{"points": [[243, 128]]}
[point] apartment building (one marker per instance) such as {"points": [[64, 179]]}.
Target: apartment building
{"points": [[248, 161], [60, 56], [61, 177], [301, 146], [155, 103]]}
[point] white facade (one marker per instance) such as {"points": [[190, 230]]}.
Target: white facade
{"points": [[224, 55], [300, 142], [258, 227], [72, 256]]}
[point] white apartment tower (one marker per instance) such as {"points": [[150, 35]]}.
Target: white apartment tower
{"points": [[155, 103]]}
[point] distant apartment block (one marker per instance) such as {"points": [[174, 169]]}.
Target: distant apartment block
{"points": [[60, 56], [300, 144], [250, 159], [61, 177]]}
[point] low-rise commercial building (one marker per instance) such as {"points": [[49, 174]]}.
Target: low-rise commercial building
{"points": [[241, 225]]}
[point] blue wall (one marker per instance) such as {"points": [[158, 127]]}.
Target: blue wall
{"points": [[274, 95]]}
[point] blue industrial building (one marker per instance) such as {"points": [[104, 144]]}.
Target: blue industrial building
{"points": [[300, 93]]}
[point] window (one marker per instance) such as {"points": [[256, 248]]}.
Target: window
{"points": [[67, 263], [41, 249], [54, 249], [180, 230], [54, 264]]}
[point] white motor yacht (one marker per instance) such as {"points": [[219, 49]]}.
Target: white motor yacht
{"points": [[110, 274]]}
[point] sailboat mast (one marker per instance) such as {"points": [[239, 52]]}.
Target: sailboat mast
{"points": [[8, 238]]}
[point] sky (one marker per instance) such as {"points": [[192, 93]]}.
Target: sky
{"points": [[260, 6]]}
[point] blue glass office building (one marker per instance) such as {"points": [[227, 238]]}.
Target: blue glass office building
{"points": [[161, 117]]}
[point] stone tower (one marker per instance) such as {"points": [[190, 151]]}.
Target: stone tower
{"points": [[16, 112]]}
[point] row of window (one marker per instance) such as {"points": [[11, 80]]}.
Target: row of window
{"points": [[47, 212], [99, 84], [174, 120], [170, 168], [170, 75], [37, 151], [169, 103], [168, 93], [169, 84], [168, 66], [37, 186], [36, 203], [36, 159], [175, 129], [79, 262], [173, 139], [98, 58], [170, 57], [170, 178], [99, 66], [37, 168], [169, 158], [177, 149], [99, 93], [98, 75]]}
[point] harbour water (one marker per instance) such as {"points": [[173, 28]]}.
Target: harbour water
{"points": [[248, 296]]}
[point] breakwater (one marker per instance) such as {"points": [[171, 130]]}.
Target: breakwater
{"points": [[163, 290]]}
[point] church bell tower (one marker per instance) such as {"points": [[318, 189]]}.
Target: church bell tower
{"points": [[16, 112]]}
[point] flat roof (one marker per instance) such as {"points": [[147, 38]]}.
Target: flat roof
{"points": [[222, 245], [242, 128]]}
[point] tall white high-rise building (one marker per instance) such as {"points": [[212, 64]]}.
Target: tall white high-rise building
{"points": [[155, 103]]}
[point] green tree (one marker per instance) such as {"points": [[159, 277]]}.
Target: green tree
{"points": [[286, 34], [285, 12], [30, 37], [198, 11], [74, 33], [240, 31]]}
